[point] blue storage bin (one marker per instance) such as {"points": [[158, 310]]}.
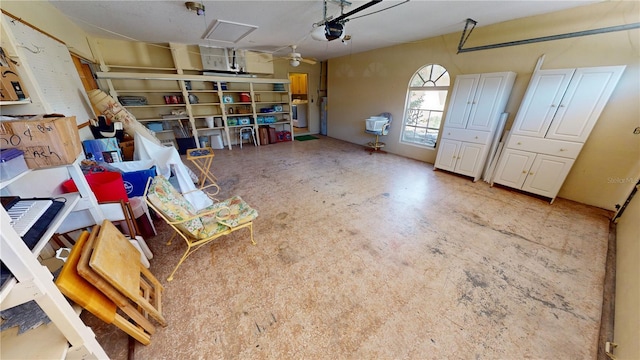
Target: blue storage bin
{"points": [[136, 181]]}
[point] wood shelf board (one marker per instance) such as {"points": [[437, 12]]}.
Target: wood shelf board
{"points": [[151, 91], [154, 105], [43, 342], [152, 76], [5, 183], [16, 102], [161, 119], [141, 67]]}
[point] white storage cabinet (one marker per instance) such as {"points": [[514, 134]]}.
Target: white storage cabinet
{"points": [[557, 114], [472, 118]]}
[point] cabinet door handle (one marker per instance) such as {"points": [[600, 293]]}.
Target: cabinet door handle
{"points": [[530, 173], [473, 102], [561, 105], [476, 137], [563, 149], [448, 133], [519, 143], [524, 171], [553, 105]]}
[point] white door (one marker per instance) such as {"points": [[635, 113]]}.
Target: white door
{"points": [[541, 101], [488, 98], [447, 154], [547, 175], [513, 167], [470, 159], [586, 96], [461, 101]]}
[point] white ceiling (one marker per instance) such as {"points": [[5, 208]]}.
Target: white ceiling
{"points": [[282, 23]]}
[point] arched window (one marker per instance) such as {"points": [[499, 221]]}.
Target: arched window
{"points": [[424, 106]]}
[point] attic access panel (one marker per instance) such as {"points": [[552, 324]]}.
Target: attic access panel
{"points": [[227, 31]]}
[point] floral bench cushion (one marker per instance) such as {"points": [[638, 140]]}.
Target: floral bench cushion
{"points": [[231, 213], [174, 206]]}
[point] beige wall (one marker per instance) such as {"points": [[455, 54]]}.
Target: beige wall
{"points": [[627, 313], [48, 19], [365, 84]]}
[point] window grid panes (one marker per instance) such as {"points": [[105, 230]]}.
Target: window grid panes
{"points": [[425, 105]]}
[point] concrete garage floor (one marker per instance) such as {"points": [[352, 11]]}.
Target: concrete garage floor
{"points": [[364, 256]]}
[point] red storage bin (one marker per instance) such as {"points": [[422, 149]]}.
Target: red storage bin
{"points": [[106, 185]]}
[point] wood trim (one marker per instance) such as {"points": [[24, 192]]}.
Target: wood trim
{"points": [[84, 125], [32, 26]]}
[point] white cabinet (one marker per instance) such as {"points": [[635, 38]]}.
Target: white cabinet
{"points": [[459, 156], [541, 102], [448, 154], [461, 100], [33, 281], [536, 173], [474, 110], [547, 174], [557, 114]]}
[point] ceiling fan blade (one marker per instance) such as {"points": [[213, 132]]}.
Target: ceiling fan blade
{"points": [[309, 61]]}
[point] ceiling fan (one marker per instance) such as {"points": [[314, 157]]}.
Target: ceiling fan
{"points": [[295, 58]]}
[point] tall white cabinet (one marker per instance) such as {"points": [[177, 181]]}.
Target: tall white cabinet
{"points": [[472, 118], [557, 114]]}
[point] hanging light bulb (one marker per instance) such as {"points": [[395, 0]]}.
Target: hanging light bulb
{"points": [[294, 62]]}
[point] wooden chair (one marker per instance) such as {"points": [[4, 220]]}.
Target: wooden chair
{"points": [[197, 228]]}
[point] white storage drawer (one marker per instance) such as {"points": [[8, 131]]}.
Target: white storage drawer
{"points": [[560, 148], [474, 136]]}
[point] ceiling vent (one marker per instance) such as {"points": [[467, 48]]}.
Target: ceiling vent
{"points": [[228, 31]]}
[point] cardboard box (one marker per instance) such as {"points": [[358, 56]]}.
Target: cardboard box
{"points": [[127, 147], [273, 138], [46, 140], [263, 133], [11, 88]]}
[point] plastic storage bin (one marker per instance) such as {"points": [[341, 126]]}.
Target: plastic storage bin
{"points": [[135, 175], [216, 142], [185, 144], [12, 163]]}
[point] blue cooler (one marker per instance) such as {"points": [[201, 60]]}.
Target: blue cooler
{"points": [[135, 175]]}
